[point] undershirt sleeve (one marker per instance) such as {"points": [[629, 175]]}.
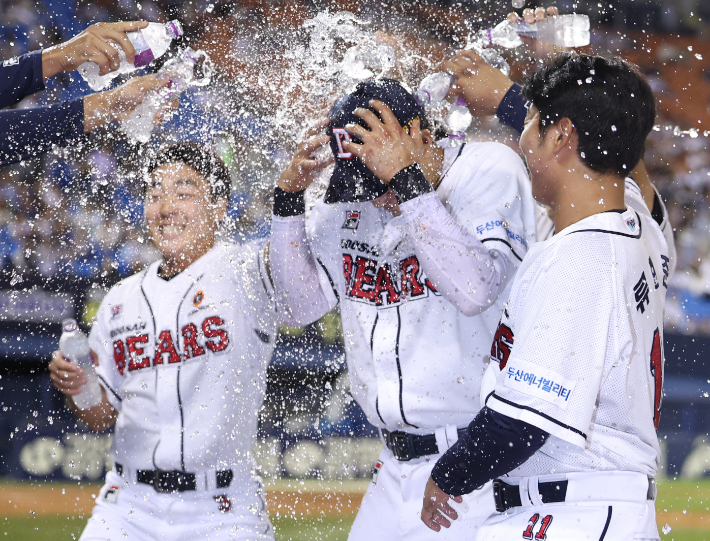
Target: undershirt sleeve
{"points": [[493, 445]]}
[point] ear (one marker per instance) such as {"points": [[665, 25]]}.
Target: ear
{"points": [[564, 135], [427, 137]]}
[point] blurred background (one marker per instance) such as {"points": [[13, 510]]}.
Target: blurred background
{"points": [[71, 222]]}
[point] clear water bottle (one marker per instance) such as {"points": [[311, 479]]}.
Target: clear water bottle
{"points": [[458, 120], [150, 43], [433, 89], [189, 68], [563, 30], [74, 346]]}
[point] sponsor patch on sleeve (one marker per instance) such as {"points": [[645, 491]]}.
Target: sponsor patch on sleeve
{"points": [[539, 382]]}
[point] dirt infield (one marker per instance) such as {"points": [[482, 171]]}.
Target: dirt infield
{"points": [[292, 499], [285, 499]]}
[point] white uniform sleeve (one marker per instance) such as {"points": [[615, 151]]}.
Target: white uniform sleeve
{"points": [[462, 268], [561, 328], [471, 247], [300, 295], [100, 343]]}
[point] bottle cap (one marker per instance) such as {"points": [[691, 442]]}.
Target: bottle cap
{"points": [[69, 325], [174, 28]]}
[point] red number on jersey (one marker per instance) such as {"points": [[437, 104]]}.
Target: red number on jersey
{"points": [[502, 344], [528, 533], [544, 525], [657, 373]]}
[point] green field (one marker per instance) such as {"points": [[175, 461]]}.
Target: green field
{"points": [[674, 498]]}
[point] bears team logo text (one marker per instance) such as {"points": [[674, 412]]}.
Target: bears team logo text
{"points": [[131, 350]]}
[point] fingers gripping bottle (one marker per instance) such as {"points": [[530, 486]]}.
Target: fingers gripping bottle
{"points": [[189, 68], [74, 346], [150, 43]]}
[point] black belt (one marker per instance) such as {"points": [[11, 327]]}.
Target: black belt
{"points": [[174, 480], [508, 496], [406, 446]]}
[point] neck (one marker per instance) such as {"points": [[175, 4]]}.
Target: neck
{"points": [[434, 169], [174, 265], [583, 193]]}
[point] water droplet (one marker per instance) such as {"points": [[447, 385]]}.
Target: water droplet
{"points": [[601, 201], [666, 529]]}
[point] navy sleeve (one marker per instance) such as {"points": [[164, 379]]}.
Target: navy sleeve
{"points": [[26, 133], [493, 445], [512, 110], [20, 77]]}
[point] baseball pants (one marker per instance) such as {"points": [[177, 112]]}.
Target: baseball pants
{"points": [[137, 512], [391, 508], [599, 507]]}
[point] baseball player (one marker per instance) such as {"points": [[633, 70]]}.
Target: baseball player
{"points": [[181, 351], [419, 258], [488, 91], [568, 430]]}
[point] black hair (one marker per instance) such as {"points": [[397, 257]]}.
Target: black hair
{"points": [[203, 160], [608, 100]]}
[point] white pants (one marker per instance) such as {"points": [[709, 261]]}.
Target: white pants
{"points": [[391, 508], [126, 510], [603, 506]]}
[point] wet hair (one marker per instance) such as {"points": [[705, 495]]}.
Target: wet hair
{"points": [[205, 161], [608, 100]]}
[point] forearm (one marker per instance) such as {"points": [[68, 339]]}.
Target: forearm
{"points": [[459, 265], [99, 417], [27, 133], [299, 295], [492, 446]]}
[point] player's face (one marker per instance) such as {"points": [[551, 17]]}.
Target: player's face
{"points": [[180, 214], [536, 154]]}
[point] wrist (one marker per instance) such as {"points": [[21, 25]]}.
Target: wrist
{"points": [[51, 62], [288, 204], [410, 182]]}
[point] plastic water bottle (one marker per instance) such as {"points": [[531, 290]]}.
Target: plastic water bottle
{"points": [[433, 89], [150, 43], [189, 68], [74, 346], [563, 30], [458, 120]]}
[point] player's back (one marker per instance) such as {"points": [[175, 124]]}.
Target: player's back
{"points": [[601, 285]]}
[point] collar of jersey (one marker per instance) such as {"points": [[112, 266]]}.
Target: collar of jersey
{"points": [[192, 271], [612, 222]]}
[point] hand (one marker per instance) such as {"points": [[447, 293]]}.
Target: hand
{"points": [[530, 16], [118, 104], [480, 84], [386, 147], [303, 168], [66, 376], [92, 45], [436, 508]]}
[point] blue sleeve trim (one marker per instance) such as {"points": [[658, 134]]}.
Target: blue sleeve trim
{"points": [[512, 109], [493, 445]]}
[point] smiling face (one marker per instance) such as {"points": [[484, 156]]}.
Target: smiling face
{"points": [[182, 218]]}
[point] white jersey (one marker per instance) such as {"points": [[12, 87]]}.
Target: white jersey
{"points": [[579, 349], [184, 362], [414, 359]]}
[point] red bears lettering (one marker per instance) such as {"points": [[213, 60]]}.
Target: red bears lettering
{"points": [[347, 271], [166, 348], [135, 350], [410, 277], [209, 332], [119, 355], [384, 286], [364, 281], [191, 348]]}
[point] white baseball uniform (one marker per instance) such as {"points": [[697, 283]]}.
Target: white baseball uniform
{"points": [[579, 354], [420, 296], [183, 361]]}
